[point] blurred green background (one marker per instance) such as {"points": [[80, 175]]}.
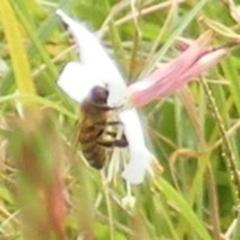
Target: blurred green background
{"points": [[48, 192]]}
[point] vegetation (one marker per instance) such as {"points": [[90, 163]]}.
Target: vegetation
{"points": [[48, 192]]}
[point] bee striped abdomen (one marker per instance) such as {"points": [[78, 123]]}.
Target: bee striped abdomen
{"points": [[92, 151], [96, 157]]}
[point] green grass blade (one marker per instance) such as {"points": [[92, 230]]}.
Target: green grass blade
{"points": [[20, 62], [184, 23], [183, 207], [32, 33]]}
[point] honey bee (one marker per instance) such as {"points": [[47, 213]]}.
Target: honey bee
{"points": [[97, 131]]}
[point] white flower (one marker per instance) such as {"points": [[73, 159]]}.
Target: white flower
{"points": [[140, 156], [76, 80], [97, 69], [94, 55]]}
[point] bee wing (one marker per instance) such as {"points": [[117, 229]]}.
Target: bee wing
{"points": [[92, 54]]}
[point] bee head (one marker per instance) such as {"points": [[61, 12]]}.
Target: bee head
{"points": [[99, 94]]}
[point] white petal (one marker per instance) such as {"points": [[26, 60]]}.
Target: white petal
{"points": [[140, 156], [77, 81], [94, 55]]}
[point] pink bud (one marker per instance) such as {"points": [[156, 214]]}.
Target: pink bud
{"points": [[196, 59]]}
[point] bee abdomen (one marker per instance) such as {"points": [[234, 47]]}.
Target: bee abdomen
{"points": [[96, 156], [89, 134], [92, 151]]}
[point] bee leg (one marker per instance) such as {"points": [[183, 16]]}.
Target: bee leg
{"points": [[121, 142], [111, 134], [104, 124], [104, 107], [113, 123], [114, 143], [107, 144]]}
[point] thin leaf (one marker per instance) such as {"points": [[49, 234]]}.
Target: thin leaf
{"points": [[183, 208], [221, 29], [18, 54], [184, 23]]}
